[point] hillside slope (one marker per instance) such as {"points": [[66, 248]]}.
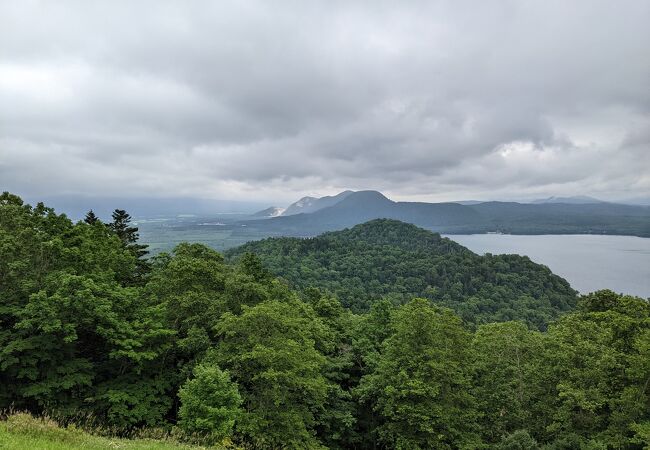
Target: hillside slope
{"points": [[388, 258], [312, 204]]}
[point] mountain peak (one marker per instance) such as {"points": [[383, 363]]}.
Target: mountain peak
{"points": [[367, 196], [311, 204]]}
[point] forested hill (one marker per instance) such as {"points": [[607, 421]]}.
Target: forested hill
{"points": [[388, 258]]}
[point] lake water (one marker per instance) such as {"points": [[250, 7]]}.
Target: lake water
{"points": [[588, 262]]}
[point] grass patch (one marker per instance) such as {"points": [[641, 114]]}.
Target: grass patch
{"points": [[23, 431]]}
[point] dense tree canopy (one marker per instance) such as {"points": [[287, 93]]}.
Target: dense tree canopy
{"points": [[506, 355], [271, 350], [73, 336], [223, 350], [387, 258], [421, 385]]}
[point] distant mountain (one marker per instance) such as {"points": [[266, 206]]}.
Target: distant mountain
{"points": [[575, 200], [301, 206], [362, 206], [639, 201], [453, 218], [308, 205], [273, 211], [563, 218]]}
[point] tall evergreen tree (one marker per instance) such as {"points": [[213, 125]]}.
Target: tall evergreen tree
{"points": [[128, 234], [91, 218], [121, 225]]}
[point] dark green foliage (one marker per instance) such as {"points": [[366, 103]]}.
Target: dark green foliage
{"points": [[386, 258], [210, 403], [82, 331], [91, 218], [271, 350], [194, 288], [420, 387], [128, 234], [519, 440], [336, 420], [596, 364], [506, 358], [190, 284], [73, 339], [372, 330]]}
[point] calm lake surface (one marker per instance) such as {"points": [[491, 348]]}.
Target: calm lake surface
{"points": [[588, 262]]}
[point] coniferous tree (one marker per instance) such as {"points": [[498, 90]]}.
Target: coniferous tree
{"points": [[121, 226], [91, 218], [128, 234]]}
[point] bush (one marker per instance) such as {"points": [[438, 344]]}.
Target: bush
{"points": [[519, 440], [210, 403]]}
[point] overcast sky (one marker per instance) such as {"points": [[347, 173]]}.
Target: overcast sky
{"points": [[434, 100]]}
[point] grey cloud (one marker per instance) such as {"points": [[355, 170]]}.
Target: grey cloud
{"points": [[425, 100]]}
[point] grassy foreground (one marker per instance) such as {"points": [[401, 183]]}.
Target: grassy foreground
{"points": [[22, 431]]}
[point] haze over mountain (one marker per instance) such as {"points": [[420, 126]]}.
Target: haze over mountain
{"points": [[552, 216], [574, 200], [76, 206], [271, 211], [641, 201], [303, 205], [313, 204]]}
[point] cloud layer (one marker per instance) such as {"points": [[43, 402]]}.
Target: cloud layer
{"points": [[270, 100]]}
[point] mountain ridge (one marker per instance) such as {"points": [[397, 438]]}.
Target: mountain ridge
{"points": [[573, 200], [454, 218]]}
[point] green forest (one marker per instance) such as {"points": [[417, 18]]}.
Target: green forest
{"points": [[390, 259], [383, 336]]}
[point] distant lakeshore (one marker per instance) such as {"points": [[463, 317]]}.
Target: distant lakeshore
{"points": [[588, 261]]}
